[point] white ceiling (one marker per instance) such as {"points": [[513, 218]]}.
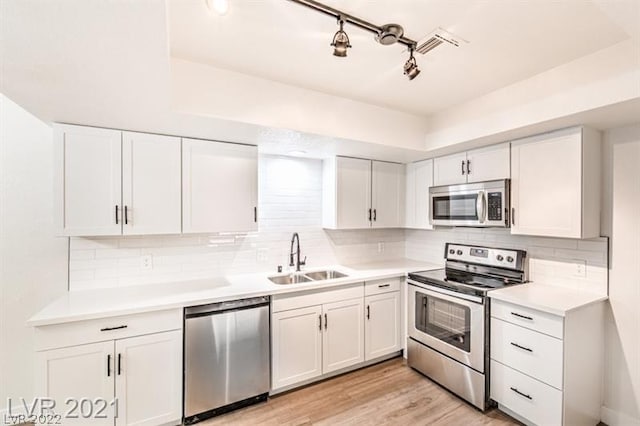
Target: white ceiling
{"points": [[508, 41]]}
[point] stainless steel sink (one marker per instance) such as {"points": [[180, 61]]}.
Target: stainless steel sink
{"points": [[324, 275], [305, 277], [290, 279]]}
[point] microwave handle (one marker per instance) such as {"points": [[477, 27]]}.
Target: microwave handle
{"points": [[481, 206]]}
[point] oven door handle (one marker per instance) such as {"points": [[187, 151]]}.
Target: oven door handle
{"points": [[481, 206], [450, 295]]}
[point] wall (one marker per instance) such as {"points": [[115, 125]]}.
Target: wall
{"points": [[33, 263], [552, 260], [621, 220], [290, 198]]}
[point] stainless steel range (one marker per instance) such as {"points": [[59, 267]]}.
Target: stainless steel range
{"points": [[449, 315]]}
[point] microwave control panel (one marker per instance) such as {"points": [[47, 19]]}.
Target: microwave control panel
{"points": [[494, 200]]}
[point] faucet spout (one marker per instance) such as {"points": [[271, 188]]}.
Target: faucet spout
{"points": [[295, 239]]}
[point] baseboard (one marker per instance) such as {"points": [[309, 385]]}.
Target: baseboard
{"points": [[616, 418]]}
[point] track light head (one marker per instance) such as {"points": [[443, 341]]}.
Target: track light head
{"points": [[411, 67], [340, 41]]}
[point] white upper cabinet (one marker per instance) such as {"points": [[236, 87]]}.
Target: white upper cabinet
{"points": [[360, 194], [478, 165], [387, 201], [151, 190], [219, 187], [555, 186], [450, 169], [490, 163], [109, 182], [88, 180], [419, 178]]}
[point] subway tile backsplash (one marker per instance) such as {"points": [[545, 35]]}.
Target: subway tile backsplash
{"points": [[290, 201]]}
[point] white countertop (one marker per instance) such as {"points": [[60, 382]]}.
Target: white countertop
{"points": [[547, 298], [91, 304]]}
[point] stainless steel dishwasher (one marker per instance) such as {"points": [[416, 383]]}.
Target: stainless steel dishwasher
{"points": [[226, 357]]}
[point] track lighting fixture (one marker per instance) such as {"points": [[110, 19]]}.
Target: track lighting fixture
{"points": [[411, 67], [340, 41], [386, 34]]}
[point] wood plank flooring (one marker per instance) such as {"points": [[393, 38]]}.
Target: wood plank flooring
{"points": [[389, 393]]}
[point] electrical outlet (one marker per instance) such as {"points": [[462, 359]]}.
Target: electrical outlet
{"points": [[262, 255], [146, 262], [380, 246], [580, 269]]}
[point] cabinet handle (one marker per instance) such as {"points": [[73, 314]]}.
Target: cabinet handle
{"points": [[462, 166], [120, 327], [513, 216], [468, 167], [520, 393], [119, 363], [375, 214], [521, 347], [126, 216], [368, 312], [109, 365], [515, 314], [384, 285], [255, 214], [116, 214], [320, 322], [369, 215], [326, 323]]}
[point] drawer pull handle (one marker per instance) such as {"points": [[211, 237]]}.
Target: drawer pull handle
{"points": [[120, 327], [384, 285], [521, 347], [515, 314], [521, 394]]}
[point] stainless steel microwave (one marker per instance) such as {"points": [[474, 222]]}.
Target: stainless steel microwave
{"points": [[482, 204]]}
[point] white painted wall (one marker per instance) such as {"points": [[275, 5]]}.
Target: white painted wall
{"points": [[556, 98], [290, 200], [209, 91], [33, 263], [621, 220]]}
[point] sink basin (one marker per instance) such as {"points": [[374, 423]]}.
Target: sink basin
{"points": [[289, 279], [324, 275], [305, 277]]}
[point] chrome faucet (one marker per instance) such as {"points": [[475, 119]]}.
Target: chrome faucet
{"points": [[297, 263]]}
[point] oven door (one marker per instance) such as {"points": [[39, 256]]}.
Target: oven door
{"points": [[448, 323]]}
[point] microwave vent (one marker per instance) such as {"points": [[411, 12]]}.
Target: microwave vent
{"points": [[435, 39]]}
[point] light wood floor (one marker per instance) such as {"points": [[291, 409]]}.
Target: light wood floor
{"points": [[389, 393]]}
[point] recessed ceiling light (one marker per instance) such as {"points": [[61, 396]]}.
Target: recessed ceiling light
{"points": [[221, 7]]}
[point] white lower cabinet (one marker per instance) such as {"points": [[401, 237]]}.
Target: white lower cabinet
{"points": [[318, 333], [547, 369], [124, 380]]}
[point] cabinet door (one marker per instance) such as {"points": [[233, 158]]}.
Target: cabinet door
{"points": [[490, 163], [77, 372], [151, 184], [296, 344], [87, 178], [450, 169], [419, 180], [149, 379], [220, 187], [387, 184], [343, 337], [353, 193], [382, 325], [546, 182]]}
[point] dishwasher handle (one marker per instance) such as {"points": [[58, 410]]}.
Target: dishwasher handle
{"points": [[221, 307]]}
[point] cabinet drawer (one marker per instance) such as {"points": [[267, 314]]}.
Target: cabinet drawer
{"points": [[535, 354], [98, 330], [542, 322], [382, 286], [535, 401], [305, 299]]}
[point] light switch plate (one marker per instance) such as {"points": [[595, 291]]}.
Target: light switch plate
{"points": [[580, 269], [146, 262]]}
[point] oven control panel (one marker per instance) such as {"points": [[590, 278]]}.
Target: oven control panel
{"points": [[504, 258]]}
